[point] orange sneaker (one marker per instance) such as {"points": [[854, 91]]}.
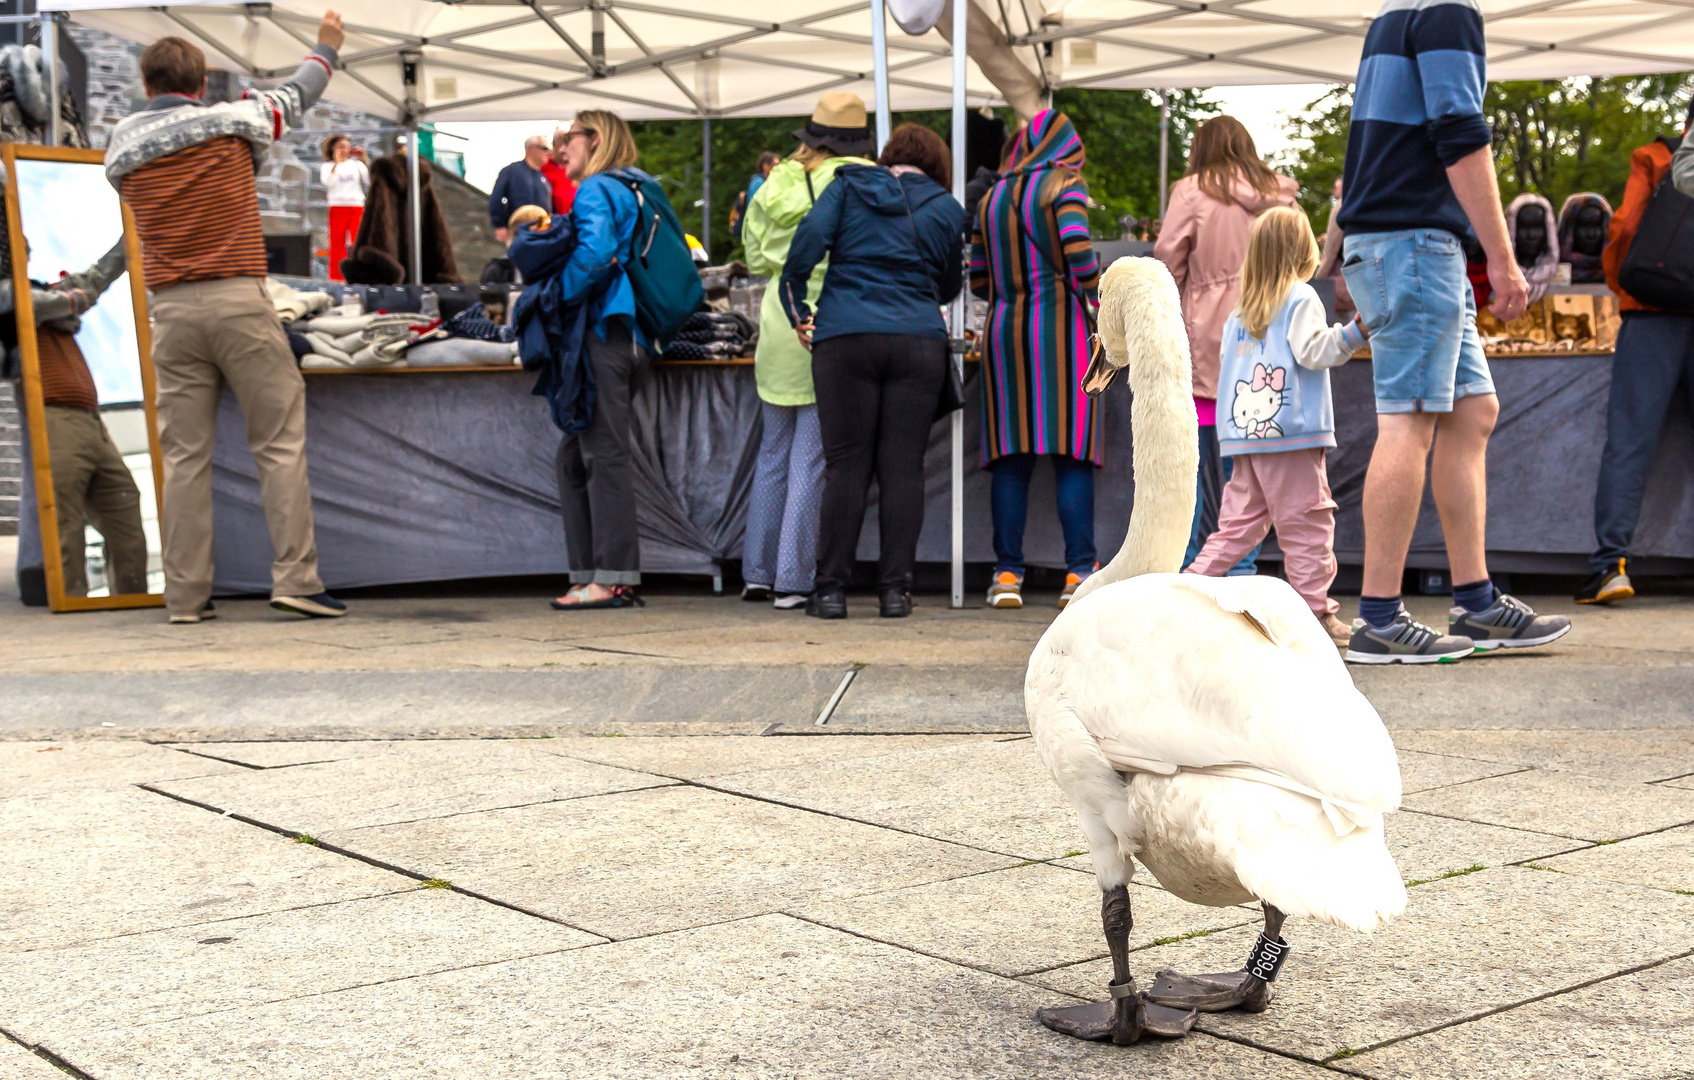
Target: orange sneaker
{"points": [[1071, 582], [1007, 591]]}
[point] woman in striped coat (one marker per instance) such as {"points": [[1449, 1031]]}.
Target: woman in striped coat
{"points": [[1032, 260]]}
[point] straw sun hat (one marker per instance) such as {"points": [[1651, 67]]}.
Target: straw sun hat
{"points": [[838, 124]]}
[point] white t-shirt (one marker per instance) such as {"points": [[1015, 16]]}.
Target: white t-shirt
{"points": [[347, 182]]}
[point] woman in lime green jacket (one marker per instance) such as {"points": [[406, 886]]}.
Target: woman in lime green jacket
{"points": [[779, 553]]}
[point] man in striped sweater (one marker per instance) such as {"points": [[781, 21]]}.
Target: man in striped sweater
{"points": [[1419, 179], [187, 171]]}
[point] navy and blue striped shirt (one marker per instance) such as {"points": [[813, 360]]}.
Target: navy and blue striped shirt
{"points": [[1417, 109]]}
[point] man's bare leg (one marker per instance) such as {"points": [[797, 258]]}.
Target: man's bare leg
{"points": [[1393, 491], [1459, 480]]}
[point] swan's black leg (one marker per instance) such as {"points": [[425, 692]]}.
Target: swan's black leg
{"points": [[1248, 989], [1126, 1015]]}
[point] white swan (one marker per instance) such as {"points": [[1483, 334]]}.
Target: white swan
{"points": [[1203, 726]]}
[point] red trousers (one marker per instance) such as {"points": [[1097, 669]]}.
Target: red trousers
{"points": [[343, 227]]}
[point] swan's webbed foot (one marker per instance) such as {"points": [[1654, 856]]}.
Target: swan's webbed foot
{"points": [[1248, 989], [1128, 1014], [1121, 1020]]}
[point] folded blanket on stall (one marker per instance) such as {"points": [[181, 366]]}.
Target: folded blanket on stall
{"points": [[552, 334], [379, 340], [472, 323], [709, 350], [292, 304], [461, 352], [713, 335]]}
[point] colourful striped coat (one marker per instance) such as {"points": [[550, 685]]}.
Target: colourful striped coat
{"points": [[1040, 282]]}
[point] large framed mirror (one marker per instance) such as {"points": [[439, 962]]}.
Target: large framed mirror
{"points": [[85, 355]]}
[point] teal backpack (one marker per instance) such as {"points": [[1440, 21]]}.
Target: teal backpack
{"points": [[660, 268]]}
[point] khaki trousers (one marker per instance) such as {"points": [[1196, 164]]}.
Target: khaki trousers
{"points": [[93, 486], [206, 335]]}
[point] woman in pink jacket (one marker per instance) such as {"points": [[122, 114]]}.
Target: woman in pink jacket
{"points": [[1204, 239]]}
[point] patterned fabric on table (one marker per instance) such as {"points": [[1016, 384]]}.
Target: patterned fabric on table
{"points": [[1039, 281]]}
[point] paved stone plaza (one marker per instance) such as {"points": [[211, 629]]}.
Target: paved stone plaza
{"points": [[467, 837]]}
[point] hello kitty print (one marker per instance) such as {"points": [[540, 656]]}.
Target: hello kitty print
{"points": [[1257, 403]]}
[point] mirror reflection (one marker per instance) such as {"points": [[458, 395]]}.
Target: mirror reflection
{"points": [[98, 433]]}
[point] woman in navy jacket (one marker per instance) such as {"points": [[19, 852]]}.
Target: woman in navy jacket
{"points": [[879, 349]]}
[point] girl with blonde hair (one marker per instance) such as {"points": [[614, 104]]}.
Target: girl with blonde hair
{"points": [[1275, 416], [1202, 241]]}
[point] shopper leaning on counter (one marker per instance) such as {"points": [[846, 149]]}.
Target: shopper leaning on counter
{"points": [[879, 350], [596, 478], [779, 560]]}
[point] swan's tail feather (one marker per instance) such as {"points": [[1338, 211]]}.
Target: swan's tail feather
{"points": [[1349, 881], [1141, 328]]}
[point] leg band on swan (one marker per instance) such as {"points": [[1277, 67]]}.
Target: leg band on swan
{"points": [[1266, 958]]}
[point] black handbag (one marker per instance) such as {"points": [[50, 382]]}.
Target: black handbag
{"points": [[952, 397], [1658, 269]]}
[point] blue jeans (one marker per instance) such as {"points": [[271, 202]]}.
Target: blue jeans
{"points": [[1215, 471], [1419, 308], [1654, 353], [1073, 482]]}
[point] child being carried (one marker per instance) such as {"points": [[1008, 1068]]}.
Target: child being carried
{"points": [[1273, 387]]}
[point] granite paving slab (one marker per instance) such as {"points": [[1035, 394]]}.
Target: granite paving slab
{"points": [[768, 997], [707, 756], [1625, 754], [1028, 918], [30, 768], [94, 864], [993, 795], [1425, 846], [407, 781], [1567, 804], [1685, 782], [1465, 946], [1634, 1027], [1421, 772], [149, 978], [285, 753], [1664, 860], [16, 1063], [646, 862], [971, 698]]}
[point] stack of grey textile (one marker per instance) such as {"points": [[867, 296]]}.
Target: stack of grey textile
{"points": [[714, 335]]}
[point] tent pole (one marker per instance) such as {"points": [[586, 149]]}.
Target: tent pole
{"points": [[879, 64], [957, 311], [706, 186], [414, 199], [50, 60], [1164, 147]]}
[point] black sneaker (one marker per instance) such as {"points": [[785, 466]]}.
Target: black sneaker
{"points": [[321, 606], [1609, 584], [1404, 641], [828, 604], [1508, 623], [896, 603]]}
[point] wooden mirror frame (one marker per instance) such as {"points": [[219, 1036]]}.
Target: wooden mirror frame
{"points": [[34, 404]]}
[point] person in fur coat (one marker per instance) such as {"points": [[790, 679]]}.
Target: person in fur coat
{"points": [[382, 252]]}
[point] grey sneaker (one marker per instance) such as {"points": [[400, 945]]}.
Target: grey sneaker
{"points": [[1509, 623], [1404, 641]]}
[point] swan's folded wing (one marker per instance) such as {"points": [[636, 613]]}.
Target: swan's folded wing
{"points": [[1166, 676]]}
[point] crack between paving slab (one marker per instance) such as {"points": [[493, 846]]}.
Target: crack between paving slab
{"points": [[48, 1056], [1510, 771], [514, 806], [1288, 1055], [1484, 1014], [1668, 779], [1157, 944], [378, 863], [1603, 842]]}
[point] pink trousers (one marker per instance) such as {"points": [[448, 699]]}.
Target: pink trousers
{"points": [[1289, 490]]}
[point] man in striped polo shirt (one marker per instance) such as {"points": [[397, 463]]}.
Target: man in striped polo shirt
{"points": [[188, 172], [1419, 179]]}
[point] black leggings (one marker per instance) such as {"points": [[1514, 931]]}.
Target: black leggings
{"points": [[877, 395]]}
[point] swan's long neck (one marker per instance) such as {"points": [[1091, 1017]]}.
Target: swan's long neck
{"points": [[1143, 317]]}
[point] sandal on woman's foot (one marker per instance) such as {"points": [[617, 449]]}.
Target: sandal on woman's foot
{"points": [[620, 596]]}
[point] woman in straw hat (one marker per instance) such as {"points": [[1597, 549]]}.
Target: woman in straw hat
{"points": [[779, 559]]}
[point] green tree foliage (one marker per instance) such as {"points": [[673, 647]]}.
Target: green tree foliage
{"points": [[1554, 138], [1120, 129]]}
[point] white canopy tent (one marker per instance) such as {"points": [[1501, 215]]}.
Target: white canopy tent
{"points": [[436, 60]]}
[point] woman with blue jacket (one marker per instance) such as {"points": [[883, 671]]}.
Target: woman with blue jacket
{"points": [[596, 481], [879, 349]]}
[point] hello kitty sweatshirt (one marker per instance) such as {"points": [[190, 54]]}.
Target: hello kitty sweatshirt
{"points": [[1273, 395]]}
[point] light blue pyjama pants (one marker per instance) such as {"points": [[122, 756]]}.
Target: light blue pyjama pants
{"points": [[781, 547]]}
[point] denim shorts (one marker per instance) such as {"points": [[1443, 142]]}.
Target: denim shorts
{"points": [[1417, 305]]}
